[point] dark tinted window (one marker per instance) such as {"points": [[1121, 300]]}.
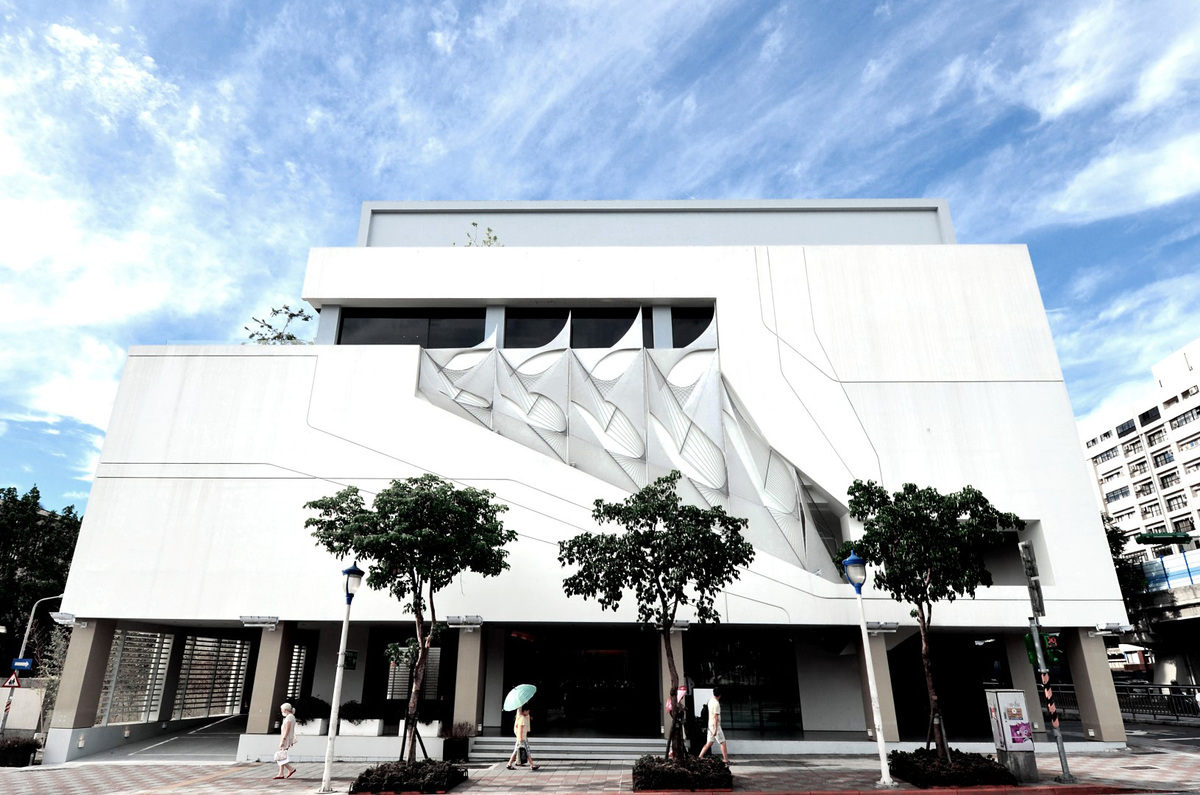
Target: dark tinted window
{"points": [[647, 327], [429, 328], [688, 323], [600, 328], [532, 328], [1125, 428], [1149, 416]]}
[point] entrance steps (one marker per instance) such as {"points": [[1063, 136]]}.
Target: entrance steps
{"points": [[498, 749]]}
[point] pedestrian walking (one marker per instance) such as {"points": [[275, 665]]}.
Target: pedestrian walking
{"points": [[287, 738], [715, 732], [521, 730]]}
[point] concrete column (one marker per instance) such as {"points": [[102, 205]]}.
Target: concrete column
{"points": [[270, 678], [664, 334], [328, 321], [171, 683], [469, 678], [1024, 679], [883, 680], [664, 674], [493, 323], [83, 675], [1098, 708]]}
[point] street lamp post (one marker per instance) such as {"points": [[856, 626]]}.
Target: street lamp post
{"points": [[24, 643], [856, 573], [353, 579]]}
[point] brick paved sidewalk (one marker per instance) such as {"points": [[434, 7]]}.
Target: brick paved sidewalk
{"points": [[1118, 770]]}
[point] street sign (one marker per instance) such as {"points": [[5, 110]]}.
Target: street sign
{"points": [[23, 664], [12, 681]]}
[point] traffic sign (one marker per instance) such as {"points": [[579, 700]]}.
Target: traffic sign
{"points": [[12, 681], [23, 664]]}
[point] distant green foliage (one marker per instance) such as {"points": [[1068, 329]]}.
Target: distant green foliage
{"points": [[926, 547], [1130, 575], [34, 560], [489, 238], [269, 332]]}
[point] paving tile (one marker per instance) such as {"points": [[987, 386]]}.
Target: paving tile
{"points": [[1125, 770]]}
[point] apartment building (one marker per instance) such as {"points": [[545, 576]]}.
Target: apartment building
{"points": [[1145, 460]]}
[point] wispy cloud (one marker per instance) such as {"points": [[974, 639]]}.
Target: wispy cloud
{"points": [[164, 170]]}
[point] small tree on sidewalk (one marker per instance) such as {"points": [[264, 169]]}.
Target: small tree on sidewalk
{"points": [[928, 547], [669, 554], [418, 535]]}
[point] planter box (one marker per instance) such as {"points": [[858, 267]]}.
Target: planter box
{"points": [[372, 727], [15, 758], [313, 727], [454, 749]]}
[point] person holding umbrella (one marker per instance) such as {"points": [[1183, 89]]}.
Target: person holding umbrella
{"points": [[517, 699]]}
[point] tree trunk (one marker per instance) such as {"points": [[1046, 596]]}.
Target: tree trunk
{"points": [[935, 712], [675, 715], [409, 744]]}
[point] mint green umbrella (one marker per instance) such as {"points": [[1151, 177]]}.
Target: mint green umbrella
{"points": [[518, 696]]}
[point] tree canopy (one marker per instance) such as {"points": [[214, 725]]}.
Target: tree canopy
{"points": [[927, 547], [417, 536], [670, 554], [36, 546]]}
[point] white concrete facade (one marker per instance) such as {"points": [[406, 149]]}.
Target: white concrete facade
{"points": [[904, 360]]}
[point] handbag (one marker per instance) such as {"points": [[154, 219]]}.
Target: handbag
{"points": [[523, 756], [281, 756]]}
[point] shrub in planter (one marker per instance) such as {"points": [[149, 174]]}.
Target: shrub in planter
{"points": [[312, 708], [655, 772], [355, 712], [923, 769], [17, 751], [424, 776]]}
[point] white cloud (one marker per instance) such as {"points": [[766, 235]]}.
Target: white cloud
{"points": [[1131, 180], [76, 495]]}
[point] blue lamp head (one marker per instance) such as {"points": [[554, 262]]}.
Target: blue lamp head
{"points": [[856, 571], [354, 576]]}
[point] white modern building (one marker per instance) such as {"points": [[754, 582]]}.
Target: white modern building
{"points": [[772, 352], [1145, 459]]}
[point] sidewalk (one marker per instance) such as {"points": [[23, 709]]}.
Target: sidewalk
{"points": [[1117, 771]]}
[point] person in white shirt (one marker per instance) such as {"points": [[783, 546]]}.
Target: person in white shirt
{"points": [[715, 733]]}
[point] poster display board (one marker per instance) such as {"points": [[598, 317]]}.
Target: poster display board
{"points": [[1012, 727]]}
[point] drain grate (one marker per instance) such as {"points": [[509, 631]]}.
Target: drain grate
{"points": [[1139, 767]]}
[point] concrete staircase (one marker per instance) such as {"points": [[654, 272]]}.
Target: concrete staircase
{"points": [[498, 749]]}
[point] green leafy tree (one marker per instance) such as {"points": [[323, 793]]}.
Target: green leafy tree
{"points": [[417, 536], [268, 331], [670, 554], [928, 547], [35, 555], [1130, 576]]}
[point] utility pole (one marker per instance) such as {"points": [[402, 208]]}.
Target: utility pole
{"points": [[1029, 561]]}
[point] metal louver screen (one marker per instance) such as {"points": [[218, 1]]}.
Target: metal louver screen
{"points": [[400, 681], [212, 677], [133, 681], [296, 673]]}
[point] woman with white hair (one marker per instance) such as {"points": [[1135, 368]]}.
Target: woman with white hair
{"points": [[287, 738]]}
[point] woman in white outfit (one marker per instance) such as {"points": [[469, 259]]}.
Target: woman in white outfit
{"points": [[287, 738]]}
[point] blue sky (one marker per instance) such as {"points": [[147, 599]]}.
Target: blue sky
{"points": [[165, 167]]}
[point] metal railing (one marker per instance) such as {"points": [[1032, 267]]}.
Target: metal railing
{"points": [[1173, 702]]}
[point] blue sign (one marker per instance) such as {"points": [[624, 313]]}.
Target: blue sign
{"points": [[23, 664]]}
